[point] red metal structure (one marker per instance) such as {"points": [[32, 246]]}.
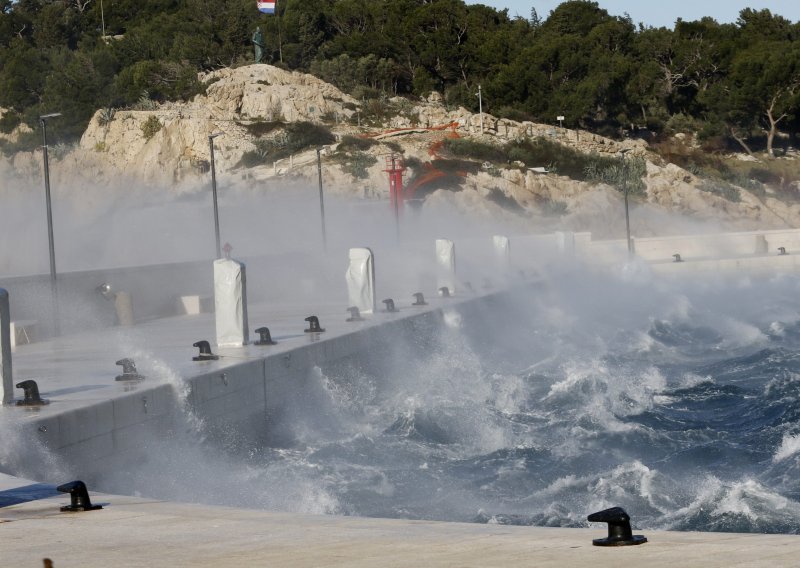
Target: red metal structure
{"points": [[395, 168]]}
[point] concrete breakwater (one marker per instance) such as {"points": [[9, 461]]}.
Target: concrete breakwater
{"points": [[94, 424]]}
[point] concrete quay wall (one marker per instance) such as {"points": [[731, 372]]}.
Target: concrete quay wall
{"points": [[91, 427], [750, 251]]}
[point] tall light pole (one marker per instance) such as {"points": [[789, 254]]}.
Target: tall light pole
{"points": [[480, 105], [625, 188], [50, 241], [321, 199], [43, 123], [214, 189]]}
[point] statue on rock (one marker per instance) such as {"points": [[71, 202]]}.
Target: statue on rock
{"points": [[258, 43]]}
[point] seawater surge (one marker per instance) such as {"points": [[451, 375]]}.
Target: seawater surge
{"points": [[677, 400]]}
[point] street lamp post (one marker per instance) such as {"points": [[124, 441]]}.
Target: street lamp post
{"points": [[479, 94], [214, 190], [50, 242], [321, 199], [625, 188]]}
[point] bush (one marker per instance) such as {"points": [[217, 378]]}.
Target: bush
{"points": [[261, 127], [465, 148], [356, 164], [618, 173], [681, 123], [106, 116], [150, 127], [506, 202], [556, 157], [352, 143], [554, 208], [296, 137], [9, 121], [722, 189]]}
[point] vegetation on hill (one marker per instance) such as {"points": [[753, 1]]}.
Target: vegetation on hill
{"points": [[735, 85]]}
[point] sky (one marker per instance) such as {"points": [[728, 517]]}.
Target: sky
{"points": [[658, 13]]}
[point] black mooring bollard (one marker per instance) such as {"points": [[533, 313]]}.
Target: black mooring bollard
{"points": [[264, 337], [677, 257], [389, 303], [781, 250], [205, 351], [313, 325], [355, 314], [79, 497], [31, 393], [419, 299], [619, 528], [129, 372], [444, 292]]}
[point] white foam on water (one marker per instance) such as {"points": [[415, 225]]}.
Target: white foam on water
{"points": [[790, 445]]}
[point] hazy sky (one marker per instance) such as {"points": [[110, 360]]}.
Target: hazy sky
{"points": [[659, 13]]}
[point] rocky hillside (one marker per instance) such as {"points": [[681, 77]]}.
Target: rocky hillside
{"points": [[252, 107]]}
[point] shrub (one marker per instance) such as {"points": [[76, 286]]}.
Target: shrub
{"points": [[150, 127], [553, 208], [296, 137], [506, 202], [394, 147], [9, 121], [356, 164], [106, 116], [722, 189], [681, 123], [261, 127], [351, 143], [465, 148], [618, 173]]}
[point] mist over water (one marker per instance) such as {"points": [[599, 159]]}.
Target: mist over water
{"points": [[677, 400]]}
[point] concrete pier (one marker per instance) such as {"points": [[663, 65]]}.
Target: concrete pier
{"points": [[136, 532]]}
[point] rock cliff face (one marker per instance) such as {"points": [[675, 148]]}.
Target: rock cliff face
{"points": [[168, 147]]}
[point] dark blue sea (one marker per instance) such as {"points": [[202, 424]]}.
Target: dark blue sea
{"points": [[677, 400]]}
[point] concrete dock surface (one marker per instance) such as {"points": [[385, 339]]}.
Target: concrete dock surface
{"points": [[131, 531]]}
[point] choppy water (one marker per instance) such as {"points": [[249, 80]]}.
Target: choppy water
{"points": [[678, 402]]}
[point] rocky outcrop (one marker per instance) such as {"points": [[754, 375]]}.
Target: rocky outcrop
{"points": [[167, 146]]}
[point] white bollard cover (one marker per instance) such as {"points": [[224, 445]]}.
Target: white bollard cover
{"points": [[230, 303], [360, 278], [446, 264], [502, 248]]}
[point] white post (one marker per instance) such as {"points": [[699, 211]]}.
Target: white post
{"points": [[446, 264], [230, 303], [123, 303], [502, 248], [360, 278], [6, 384]]}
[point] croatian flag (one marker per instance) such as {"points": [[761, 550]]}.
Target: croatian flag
{"points": [[266, 7]]}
